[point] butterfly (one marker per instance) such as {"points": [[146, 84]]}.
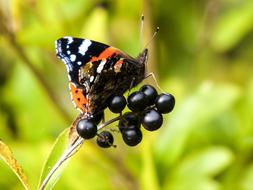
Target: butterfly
{"points": [[97, 71]]}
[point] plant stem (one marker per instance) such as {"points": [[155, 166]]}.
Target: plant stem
{"points": [[71, 151], [63, 158], [108, 122]]}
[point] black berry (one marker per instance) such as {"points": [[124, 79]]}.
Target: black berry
{"points": [[152, 120], [165, 103], [150, 93], [132, 137], [96, 118], [117, 103], [86, 129], [137, 101], [105, 139], [129, 120]]}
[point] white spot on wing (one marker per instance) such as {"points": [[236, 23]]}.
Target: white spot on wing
{"points": [[84, 47], [79, 63], [70, 39], [69, 77], [91, 78], [68, 52], [72, 57], [56, 46], [101, 66]]}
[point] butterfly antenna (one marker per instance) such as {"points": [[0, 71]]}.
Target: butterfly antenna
{"points": [[141, 30], [156, 31]]}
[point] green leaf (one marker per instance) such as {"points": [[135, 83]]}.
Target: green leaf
{"points": [[208, 102], [7, 156], [60, 146], [201, 184], [247, 179], [207, 162], [98, 19], [149, 170], [197, 169], [232, 27]]}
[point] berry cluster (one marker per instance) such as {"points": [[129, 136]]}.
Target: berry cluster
{"points": [[146, 109]]}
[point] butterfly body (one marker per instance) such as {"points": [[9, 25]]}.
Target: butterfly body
{"points": [[97, 71]]}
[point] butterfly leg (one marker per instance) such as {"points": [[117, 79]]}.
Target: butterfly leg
{"points": [[131, 86], [154, 78], [103, 117]]}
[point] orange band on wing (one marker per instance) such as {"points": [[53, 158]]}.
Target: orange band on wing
{"points": [[105, 54], [78, 98], [118, 65]]}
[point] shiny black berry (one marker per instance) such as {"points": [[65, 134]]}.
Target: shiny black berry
{"points": [[96, 118], [105, 139], [150, 93], [129, 120], [165, 103], [117, 103], [132, 137], [137, 101], [86, 129], [129, 127], [152, 119]]}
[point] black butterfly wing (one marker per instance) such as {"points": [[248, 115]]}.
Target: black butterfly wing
{"points": [[76, 52], [97, 71]]}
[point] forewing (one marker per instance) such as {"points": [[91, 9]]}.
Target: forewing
{"points": [[76, 52]]}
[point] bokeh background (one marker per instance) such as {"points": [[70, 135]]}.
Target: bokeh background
{"points": [[203, 55]]}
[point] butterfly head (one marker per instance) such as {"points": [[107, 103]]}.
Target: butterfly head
{"points": [[143, 57]]}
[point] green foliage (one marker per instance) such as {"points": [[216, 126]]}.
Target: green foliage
{"points": [[202, 55], [7, 156], [60, 145]]}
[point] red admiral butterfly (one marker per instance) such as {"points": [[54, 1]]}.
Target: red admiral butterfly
{"points": [[97, 71]]}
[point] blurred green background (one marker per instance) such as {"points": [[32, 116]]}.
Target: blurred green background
{"points": [[203, 55]]}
